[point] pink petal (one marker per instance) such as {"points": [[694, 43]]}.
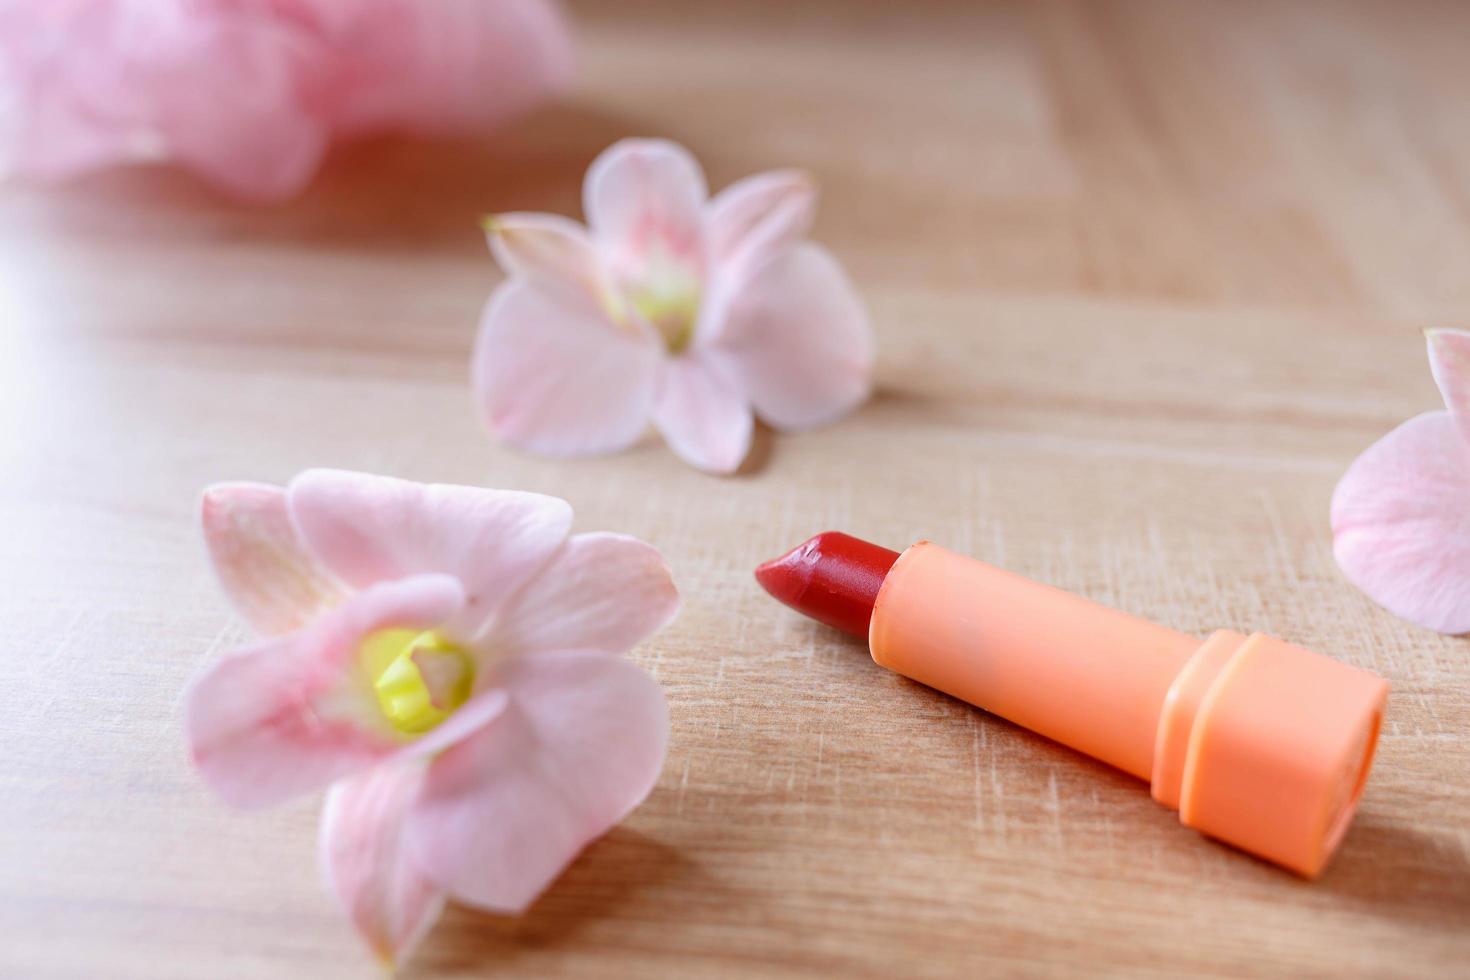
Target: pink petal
{"points": [[225, 98], [1449, 359], [290, 715], [502, 813], [370, 529], [1401, 523], [203, 84], [248, 93], [602, 593], [755, 218], [450, 66], [366, 864], [261, 562], [472, 716], [546, 245], [646, 196], [702, 414], [59, 64], [798, 340], [554, 375]]}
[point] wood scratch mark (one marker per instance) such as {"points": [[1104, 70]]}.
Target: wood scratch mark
{"points": [[683, 790], [1053, 804], [979, 817]]}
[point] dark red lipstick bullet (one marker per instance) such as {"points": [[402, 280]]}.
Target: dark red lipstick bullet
{"points": [[834, 578]]}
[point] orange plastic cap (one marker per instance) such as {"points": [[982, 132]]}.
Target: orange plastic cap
{"points": [[1278, 750]]}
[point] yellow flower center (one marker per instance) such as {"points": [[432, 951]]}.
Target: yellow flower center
{"points": [[665, 291], [673, 315], [419, 678]]}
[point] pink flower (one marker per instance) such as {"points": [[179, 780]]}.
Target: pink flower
{"points": [[1401, 514], [669, 307], [447, 660], [250, 92]]}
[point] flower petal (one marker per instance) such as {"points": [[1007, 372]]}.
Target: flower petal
{"points": [[1449, 359], [601, 593], [502, 813], [366, 864], [450, 66], [473, 715], [646, 197], [546, 245], [289, 715], [249, 92], [798, 340], [370, 529], [262, 564], [702, 414], [215, 88], [554, 375], [757, 217], [225, 93], [54, 60], [1401, 523]]}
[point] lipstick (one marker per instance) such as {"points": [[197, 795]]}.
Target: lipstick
{"points": [[1256, 742]]}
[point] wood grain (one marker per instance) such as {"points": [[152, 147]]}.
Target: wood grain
{"points": [[1145, 276]]}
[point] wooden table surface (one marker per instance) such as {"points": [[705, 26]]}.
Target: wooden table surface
{"points": [[1145, 278]]}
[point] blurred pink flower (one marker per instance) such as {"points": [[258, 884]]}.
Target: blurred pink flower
{"points": [[1401, 514], [672, 308], [448, 660], [250, 92]]}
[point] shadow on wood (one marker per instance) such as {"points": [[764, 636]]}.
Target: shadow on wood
{"points": [[602, 880], [762, 448], [1398, 872], [372, 194]]}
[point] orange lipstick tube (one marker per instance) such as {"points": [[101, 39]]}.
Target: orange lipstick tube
{"points": [[1256, 742]]}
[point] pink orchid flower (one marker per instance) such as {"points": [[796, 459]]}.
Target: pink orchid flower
{"points": [[447, 659], [249, 93], [1401, 514], [670, 307]]}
